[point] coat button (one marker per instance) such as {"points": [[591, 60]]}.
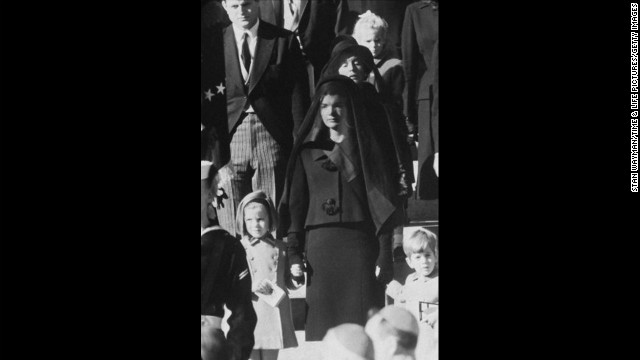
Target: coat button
{"points": [[330, 207]]}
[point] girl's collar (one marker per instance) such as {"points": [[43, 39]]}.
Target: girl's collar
{"points": [[268, 238]]}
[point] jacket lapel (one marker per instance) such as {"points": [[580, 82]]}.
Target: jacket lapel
{"points": [[231, 61], [264, 48], [303, 5]]}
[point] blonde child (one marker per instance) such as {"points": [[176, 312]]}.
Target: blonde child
{"points": [[370, 31], [419, 294], [256, 220]]}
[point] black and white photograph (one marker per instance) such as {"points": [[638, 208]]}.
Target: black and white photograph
{"points": [[322, 199], [319, 155]]}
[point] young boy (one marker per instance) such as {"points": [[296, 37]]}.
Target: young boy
{"points": [[224, 280], [419, 295]]}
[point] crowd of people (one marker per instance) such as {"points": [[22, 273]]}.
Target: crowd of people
{"points": [[309, 125]]}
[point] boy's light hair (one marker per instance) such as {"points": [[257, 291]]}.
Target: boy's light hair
{"points": [[369, 20], [419, 241]]}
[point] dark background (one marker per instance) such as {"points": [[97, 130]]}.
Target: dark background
{"points": [[535, 210]]}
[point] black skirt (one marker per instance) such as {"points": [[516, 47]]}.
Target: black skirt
{"points": [[341, 286]]}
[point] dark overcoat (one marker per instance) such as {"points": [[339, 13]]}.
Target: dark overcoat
{"points": [[225, 280], [419, 36]]}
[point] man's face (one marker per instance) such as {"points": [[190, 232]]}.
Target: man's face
{"points": [[242, 13]]}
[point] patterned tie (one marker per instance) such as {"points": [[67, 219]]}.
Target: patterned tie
{"points": [[246, 54]]}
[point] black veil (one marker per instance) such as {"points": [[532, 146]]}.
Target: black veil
{"points": [[360, 147]]}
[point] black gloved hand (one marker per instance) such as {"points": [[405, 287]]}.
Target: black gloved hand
{"points": [[294, 243]]}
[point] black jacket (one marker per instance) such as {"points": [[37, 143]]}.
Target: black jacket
{"points": [[225, 280]]}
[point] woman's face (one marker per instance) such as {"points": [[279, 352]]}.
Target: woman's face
{"points": [[353, 68], [333, 110]]}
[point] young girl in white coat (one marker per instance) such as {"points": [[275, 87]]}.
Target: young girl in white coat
{"points": [[266, 256]]}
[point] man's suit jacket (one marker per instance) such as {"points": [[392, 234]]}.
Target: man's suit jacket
{"points": [[419, 35], [278, 88], [320, 22], [213, 111]]}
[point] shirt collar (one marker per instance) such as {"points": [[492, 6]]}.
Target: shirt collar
{"points": [[239, 32], [266, 238]]}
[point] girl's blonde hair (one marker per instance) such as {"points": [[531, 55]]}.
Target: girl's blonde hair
{"points": [[419, 241], [369, 20]]}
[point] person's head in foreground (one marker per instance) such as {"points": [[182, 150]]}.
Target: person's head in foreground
{"points": [[256, 216], [421, 249], [347, 342], [214, 345], [394, 332], [208, 187], [371, 32]]}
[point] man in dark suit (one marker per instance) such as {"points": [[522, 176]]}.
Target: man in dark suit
{"points": [[419, 36], [267, 93], [315, 22]]}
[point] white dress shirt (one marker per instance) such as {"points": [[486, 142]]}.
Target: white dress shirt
{"points": [[253, 41]]}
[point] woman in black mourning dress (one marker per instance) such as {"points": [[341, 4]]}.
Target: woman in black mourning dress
{"points": [[339, 199]]}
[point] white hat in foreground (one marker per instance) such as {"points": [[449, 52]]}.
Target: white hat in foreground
{"points": [[347, 342]]}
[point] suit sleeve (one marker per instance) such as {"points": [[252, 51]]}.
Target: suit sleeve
{"points": [[342, 23], [410, 63], [436, 102], [300, 98], [395, 79], [242, 321], [298, 207]]}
